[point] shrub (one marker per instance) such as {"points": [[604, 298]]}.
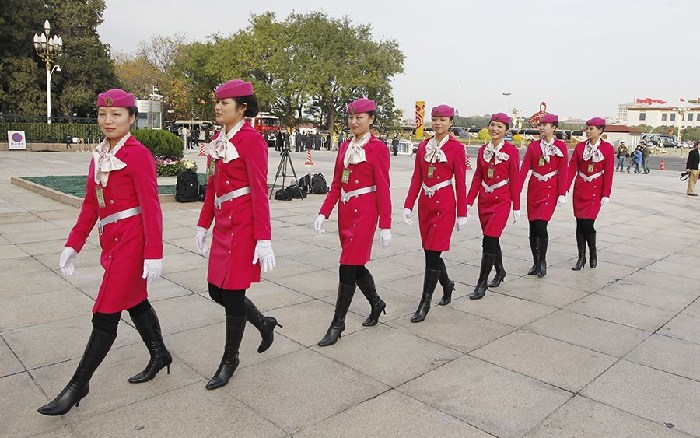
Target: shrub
{"points": [[169, 167], [161, 143]]}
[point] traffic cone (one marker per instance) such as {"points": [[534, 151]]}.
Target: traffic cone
{"points": [[469, 163], [309, 161], [202, 150], [661, 166]]}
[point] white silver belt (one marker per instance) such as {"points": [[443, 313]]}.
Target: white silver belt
{"points": [[592, 177], [345, 196], [430, 191], [546, 176], [490, 189], [218, 200], [117, 217]]}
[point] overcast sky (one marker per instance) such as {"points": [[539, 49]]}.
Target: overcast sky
{"points": [[583, 57]]}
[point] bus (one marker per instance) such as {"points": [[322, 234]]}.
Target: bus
{"points": [[268, 126], [201, 127]]}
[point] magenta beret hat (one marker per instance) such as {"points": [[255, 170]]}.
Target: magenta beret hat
{"points": [[362, 105], [500, 117], [234, 88], [442, 111], [116, 98], [550, 118], [596, 121]]}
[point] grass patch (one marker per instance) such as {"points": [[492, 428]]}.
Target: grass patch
{"points": [[75, 185]]}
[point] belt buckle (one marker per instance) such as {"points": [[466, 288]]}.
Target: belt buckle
{"points": [[100, 228]]}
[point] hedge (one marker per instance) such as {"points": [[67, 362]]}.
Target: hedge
{"points": [[163, 144]]}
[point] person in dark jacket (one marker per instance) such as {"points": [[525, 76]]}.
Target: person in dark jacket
{"points": [[692, 166]]}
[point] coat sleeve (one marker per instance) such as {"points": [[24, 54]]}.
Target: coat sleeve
{"points": [[573, 167], [416, 179], [256, 165], [514, 175], [476, 181], [334, 192], [143, 174], [206, 215], [563, 170], [381, 179], [609, 171], [88, 214], [526, 164], [460, 172]]}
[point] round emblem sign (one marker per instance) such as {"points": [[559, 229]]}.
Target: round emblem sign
{"points": [[17, 137], [109, 101]]}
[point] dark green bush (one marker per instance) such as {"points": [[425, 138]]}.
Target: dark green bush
{"points": [[161, 143]]}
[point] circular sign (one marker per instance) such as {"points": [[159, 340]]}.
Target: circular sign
{"points": [[16, 136]]}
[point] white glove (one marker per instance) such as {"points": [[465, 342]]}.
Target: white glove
{"points": [[461, 223], [384, 237], [152, 268], [263, 252], [604, 201], [318, 223], [201, 240], [407, 216], [67, 260], [561, 200], [516, 215]]}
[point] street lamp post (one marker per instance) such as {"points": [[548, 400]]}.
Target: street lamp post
{"points": [[48, 48]]}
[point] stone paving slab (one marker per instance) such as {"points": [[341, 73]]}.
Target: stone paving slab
{"points": [[669, 354]]}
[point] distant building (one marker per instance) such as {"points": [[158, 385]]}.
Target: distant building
{"points": [[618, 133], [657, 114]]}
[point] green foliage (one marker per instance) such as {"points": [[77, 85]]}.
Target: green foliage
{"points": [[161, 143], [484, 135], [691, 134], [169, 167], [53, 133], [472, 121]]}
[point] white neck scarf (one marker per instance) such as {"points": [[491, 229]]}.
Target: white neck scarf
{"points": [[105, 160], [491, 152], [591, 152], [548, 149], [221, 148], [355, 154], [434, 152]]}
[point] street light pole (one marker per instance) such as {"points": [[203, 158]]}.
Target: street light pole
{"points": [[48, 48]]}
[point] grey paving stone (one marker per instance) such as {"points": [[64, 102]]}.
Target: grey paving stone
{"points": [[669, 354], [675, 269], [455, 329], [660, 282], [583, 418], [18, 405], [109, 388], [194, 280], [11, 251], [183, 262], [498, 401], [162, 416], [693, 309], [622, 312], [530, 288], [588, 280], [398, 305], [392, 414], [315, 386], [642, 294], [185, 313], [24, 311], [652, 394], [316, 284], [592, 333], [683, 326], [560, 364], [268, 295], [9, 364], [383, 348], [504, 309]]}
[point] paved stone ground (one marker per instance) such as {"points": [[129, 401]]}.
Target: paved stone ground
{"points": [[608, 352]]}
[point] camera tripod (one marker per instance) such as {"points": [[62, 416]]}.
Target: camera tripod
{"points": [[282, 170]]}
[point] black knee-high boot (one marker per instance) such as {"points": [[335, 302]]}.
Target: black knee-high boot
{"points": [[535, 256], [78, 387], [429, 282], [542, 244], [369, 290], [342, 304], [487, 261], [148, 327], [500, 271], [448, 286], [235, 325], [593, 249], [581, 244], [265, 324]]}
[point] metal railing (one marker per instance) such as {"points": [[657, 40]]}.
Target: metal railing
{"points": [[63, 129]]}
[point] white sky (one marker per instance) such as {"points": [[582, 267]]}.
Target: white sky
{"points": [[583, 57]]}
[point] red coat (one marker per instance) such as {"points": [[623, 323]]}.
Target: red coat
{"points": [[125, 243], [586, 196], [436, 214], [542, 195], [357, 218], [242, 221], [494, 207]]}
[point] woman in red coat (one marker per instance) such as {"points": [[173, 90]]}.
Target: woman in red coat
{"points": [[497, 183], [592, 165], [442, 206], [361, 183], [121, 195], [237, 203], [548, 159]]}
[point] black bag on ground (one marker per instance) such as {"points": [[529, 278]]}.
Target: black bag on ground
{"points": [[187, 188], [283, 195], [202, 192], [296, 192], [304, 182], [319, 186]]}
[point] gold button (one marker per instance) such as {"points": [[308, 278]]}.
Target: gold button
{"points": [[111, 201], [226, 182], [116, 239], [357, 181]]}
